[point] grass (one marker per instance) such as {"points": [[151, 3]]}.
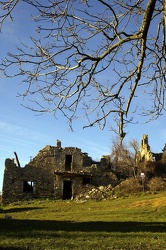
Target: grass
{"points": [[135, 222]]}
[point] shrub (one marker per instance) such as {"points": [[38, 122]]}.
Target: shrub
{"points": [[157, 184], [109, 178], [129, 186]]}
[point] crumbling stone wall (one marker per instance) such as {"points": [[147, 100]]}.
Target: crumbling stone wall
{"points": [[16, 178], [54, 158], [145, 153], [50, 173]]}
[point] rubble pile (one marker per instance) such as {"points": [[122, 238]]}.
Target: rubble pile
{"points": [[89, 192]]}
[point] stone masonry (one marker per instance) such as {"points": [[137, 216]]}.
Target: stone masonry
{"points": [[145, 153], [54, 173]]}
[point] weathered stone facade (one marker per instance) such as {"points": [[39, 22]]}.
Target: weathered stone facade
{"points": [[145, 153], [55, 173]]}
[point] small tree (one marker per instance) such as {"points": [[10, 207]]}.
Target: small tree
{"points": [[123, 158]]}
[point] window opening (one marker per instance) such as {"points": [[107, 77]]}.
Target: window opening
{"points": [[28, 186], [68, 162]]}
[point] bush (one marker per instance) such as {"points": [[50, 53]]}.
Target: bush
{"points": [[109, 178], [157, 184], [129, 186], [160, 168]]}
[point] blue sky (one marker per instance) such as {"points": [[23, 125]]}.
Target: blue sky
{"points": [[23, 131]]}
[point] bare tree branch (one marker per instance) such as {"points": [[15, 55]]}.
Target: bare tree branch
{"points": [[97, 58]]}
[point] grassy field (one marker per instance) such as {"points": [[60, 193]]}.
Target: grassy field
{"points": [[135, 222]]}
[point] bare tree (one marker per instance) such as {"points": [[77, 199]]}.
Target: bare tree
{"points": [[123, 158], [98, 57], [135, 146]]}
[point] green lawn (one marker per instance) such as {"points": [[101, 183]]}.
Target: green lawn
{"points": [[135, 222]]}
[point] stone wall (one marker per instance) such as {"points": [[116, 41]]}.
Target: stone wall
{"points": [[54, 173], [145, 153], [54, 158], [26, 183]]}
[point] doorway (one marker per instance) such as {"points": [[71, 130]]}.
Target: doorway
{"points": [[67, 190]]}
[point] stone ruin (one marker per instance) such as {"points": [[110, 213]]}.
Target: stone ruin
{"points": [[54, 173], [63, 173], [145, 153]]}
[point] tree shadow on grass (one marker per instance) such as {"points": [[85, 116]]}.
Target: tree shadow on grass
{"points": [[23, 226], [18, 209], [12, 248]]}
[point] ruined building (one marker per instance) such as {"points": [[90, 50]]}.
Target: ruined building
{"points": [[55, 173], [60, 173], [145, 153]]}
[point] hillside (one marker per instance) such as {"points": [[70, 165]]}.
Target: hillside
{"points": [[133, 222]]}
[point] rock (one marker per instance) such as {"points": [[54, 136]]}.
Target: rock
{"points": [[101, 188], [94, 193]]}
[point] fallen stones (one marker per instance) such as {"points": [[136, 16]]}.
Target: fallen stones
{"points": [[89, 192]]}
